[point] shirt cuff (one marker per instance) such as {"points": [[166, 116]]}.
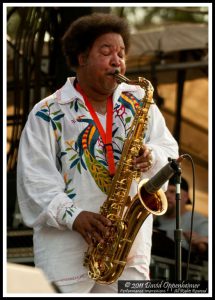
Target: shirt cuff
{"points": [[67, 214]]}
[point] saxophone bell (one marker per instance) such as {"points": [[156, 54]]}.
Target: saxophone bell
{"points": [[156, 203]]}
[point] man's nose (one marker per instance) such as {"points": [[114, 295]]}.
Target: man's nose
{"points": [[115, 60]]}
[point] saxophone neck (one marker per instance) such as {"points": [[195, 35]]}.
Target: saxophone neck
{"points": [[121, 78], [141, 81]]}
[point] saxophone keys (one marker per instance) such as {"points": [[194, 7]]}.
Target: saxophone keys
{"points": [[94, 275], [120, 262], [126, 240]]}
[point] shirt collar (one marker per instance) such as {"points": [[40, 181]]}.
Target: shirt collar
{"points": [[67, 93]]}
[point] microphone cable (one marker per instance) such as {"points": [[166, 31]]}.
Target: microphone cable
{"points": [[192, 212]]}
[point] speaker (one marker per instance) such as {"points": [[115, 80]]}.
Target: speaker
{"points": [[27, 279]]}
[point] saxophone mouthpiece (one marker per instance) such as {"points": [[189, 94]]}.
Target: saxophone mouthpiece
{"points": [[120, 78]]}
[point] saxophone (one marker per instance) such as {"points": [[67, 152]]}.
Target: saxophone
{"points": [[107, 260]]}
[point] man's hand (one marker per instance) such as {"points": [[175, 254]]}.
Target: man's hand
{"points": [[144, 161], [91, 226]]}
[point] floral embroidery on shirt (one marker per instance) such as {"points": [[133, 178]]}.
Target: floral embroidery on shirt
{"points": [[85, 148], [69, 192], [68, 211], [76, 104], [53, 117], [87, 151], [126, 100], [90, 157], [129, 101], [59, 153]]}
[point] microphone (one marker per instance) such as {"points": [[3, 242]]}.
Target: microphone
{"points": [[155, 183]]}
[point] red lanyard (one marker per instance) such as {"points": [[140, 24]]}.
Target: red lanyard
{"points": [[106, 137]]}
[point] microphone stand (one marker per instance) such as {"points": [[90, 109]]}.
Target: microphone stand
{"points": [[151, 186], [178, 230]]}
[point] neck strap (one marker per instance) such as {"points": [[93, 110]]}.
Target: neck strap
{"points": [[106, 136]]}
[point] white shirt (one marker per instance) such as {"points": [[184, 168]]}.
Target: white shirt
{"points": [[54, 183]]}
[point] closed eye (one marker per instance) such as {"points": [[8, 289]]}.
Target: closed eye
{"points": [[105, 50]]}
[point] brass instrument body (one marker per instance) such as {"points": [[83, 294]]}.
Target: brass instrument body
{"points": [[107, 261]]}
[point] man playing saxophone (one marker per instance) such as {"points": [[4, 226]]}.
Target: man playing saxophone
{"points": [[70, 151]]}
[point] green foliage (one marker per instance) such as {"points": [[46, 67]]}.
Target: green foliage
{"points": [[143, 17]]}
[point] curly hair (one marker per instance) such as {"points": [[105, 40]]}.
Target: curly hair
{"points": [[82, 33]]}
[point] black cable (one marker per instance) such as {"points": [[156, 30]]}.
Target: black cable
{"points": [[192, 213]]}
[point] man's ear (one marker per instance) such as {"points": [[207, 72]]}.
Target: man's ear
{"points": [[82, 59]]}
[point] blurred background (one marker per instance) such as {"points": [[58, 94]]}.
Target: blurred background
{"points": [[169, 47]]}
